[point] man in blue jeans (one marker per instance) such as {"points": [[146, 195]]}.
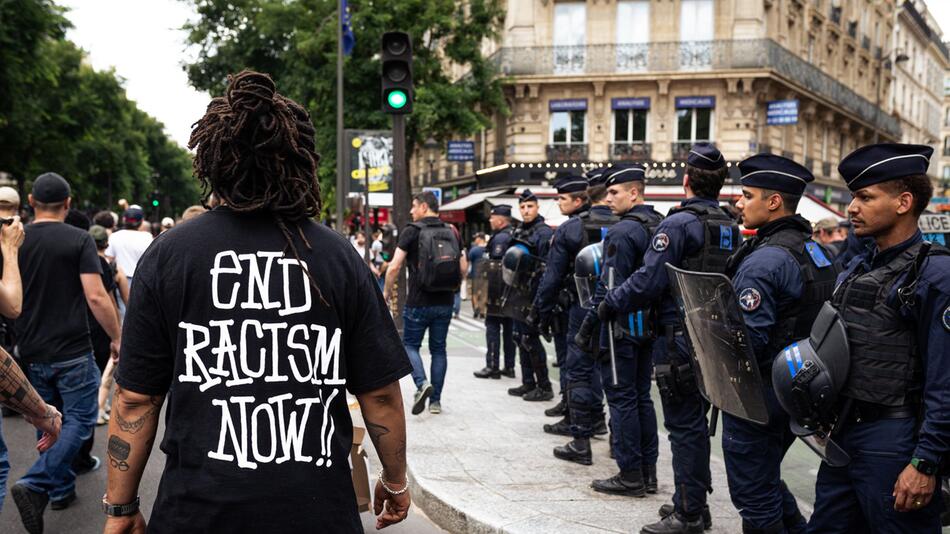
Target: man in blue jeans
{"points": [[426, 307], [61, 275]]}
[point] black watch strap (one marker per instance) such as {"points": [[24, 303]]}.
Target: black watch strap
{"points": [[925, 467], [120, 510]]}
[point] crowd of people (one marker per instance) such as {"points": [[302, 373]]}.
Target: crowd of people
{"points": [[601, 288]]}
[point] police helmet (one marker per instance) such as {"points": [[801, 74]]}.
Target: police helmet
{"points": [[587, 268], [808, 374], [519, 266]]}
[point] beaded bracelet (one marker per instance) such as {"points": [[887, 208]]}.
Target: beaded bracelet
{"points": [[390, 490]]}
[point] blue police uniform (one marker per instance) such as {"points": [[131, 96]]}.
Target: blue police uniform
{"points": [[679, 238], [632, 416], [899, 377], [778, 308], [498, 329], [534, 368]]}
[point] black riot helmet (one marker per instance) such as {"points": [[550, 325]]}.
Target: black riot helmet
{"points": [[519, 266], [587, 268], [808, 374]]}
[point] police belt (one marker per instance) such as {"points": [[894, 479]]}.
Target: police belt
{"points": [[866, 412]]}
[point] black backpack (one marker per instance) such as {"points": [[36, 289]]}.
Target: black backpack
{"points": [[438, 256]]}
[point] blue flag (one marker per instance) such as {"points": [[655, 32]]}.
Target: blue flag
{"points": [[349, 40]]}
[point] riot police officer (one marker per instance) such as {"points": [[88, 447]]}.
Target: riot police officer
{"points": [[632, 417], [895, 304], [584, 391], [698, 236], [498, 328], [781, 277], [536, 234]]}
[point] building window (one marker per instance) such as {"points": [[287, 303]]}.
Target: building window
{"points": [[696, 33], [946, 172], [568, 127], [694, 125], [632, 35], [946, 146], [570, 36], [630, 126]]}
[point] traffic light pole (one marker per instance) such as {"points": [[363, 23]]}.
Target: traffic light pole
{"points": [[340, 179], [400, 204]]}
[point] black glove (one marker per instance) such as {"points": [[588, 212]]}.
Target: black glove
{"points": [[544, 326], [532, 319], [605, 313], [584, 334]]}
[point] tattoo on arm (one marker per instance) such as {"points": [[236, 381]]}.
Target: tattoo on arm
{"points": [[133, 426], [119, 451], [16, 391], [376, 430]]}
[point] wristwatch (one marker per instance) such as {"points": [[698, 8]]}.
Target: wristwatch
{"points": [[120, 510], [924, 466]]}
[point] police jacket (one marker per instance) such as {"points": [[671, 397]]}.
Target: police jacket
{"points": [[680, 239], [568, 240], [782, 278], [536, 234], [499, 243], [900, 347]]}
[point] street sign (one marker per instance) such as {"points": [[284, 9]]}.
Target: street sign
{"points": [[780, 112], [460, 151], [437, 191], [935, 227]]}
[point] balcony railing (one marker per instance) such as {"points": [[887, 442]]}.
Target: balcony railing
{"points": [[561, 152], [635, 151], [689, 56]]}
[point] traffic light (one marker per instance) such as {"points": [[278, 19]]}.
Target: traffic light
{"points": [[154, 196], [397, 73]]}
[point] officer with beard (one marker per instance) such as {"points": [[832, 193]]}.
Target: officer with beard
{"points": [[498, 329], [895, 303], [536, 234], [633, 429], [782, 277]]}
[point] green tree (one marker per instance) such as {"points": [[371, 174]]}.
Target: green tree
{"points": [[295, 42]]}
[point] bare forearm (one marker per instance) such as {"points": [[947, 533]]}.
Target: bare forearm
{"points": [[11, 287], [385, 421], [391, 273], [104, 310], [16, 392], [132, 430]]}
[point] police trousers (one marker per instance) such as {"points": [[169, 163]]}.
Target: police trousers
{"points": [[560, 348], [753, 455], [585, 391], [633, 431], [857, 497], [498, 335], [534, 359], [684, 418]]}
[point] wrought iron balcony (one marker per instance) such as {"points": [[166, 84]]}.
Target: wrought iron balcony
{"points": [[752, 54], [635, 151], [562, 152]]}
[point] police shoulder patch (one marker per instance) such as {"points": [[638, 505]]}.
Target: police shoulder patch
{"points": [[749, 299], [946, 319], [660, 242]]}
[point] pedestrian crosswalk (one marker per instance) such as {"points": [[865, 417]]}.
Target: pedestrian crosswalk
{"points": [[466, 323]]}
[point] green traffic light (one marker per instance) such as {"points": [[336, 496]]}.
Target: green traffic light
{"points": [[155, 203], [397, 99]]}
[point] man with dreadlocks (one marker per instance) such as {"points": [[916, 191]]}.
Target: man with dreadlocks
{"points": [[252, 319]]}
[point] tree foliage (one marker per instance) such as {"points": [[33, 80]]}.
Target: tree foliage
{"points": [[295, 42], [59, 114]]}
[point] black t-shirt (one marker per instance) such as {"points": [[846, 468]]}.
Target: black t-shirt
{"points": [[417, 296], [52, 326], [255, 362], [100, 339]]}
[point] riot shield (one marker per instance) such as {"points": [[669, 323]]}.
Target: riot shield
{"points": [[828, 450], [488, 275], [725, 368]]}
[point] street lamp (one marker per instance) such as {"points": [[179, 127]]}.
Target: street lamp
{"points": [[431, 147]]}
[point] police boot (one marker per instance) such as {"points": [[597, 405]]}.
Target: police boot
{"points": [[487, 372], [559, 409], [508, 372], [674, 524], [539, 394], [521, 390], [649, 479], [628, 483], [561, 428], [777, 527], [577, 451], [667, 509]]}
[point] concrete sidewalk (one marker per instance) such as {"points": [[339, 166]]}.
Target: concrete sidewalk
{"points": [[485, 466]]}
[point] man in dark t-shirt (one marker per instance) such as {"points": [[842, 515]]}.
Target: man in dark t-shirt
{"points": [[425, 309], [61, 276], [254, 321]]}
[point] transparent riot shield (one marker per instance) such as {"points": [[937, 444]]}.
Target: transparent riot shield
{"points": [[488, 279], [725, 368]]}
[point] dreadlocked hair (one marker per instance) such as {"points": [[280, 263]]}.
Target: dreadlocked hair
{"points": [[255, 151]]}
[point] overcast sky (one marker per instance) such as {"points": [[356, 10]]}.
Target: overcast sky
{"points": [[142, 40]]}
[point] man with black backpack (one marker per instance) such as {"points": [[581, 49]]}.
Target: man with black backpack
{"points": [[433, 251]]}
